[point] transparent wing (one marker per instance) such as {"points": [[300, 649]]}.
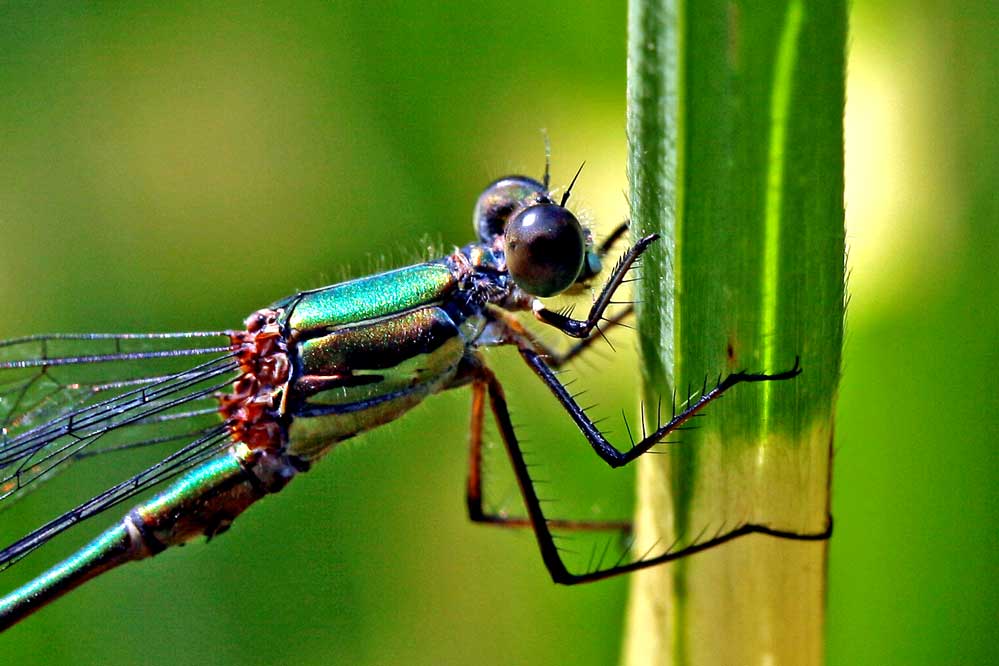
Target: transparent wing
{"points": [[65, 398]]}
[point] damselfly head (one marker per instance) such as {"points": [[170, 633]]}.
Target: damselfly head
{"points": [[547, 250], [503, 199]]}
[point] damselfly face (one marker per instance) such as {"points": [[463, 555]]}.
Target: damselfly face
{"points": [[546, 249]]}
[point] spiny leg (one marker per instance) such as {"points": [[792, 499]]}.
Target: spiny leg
{"points": [[486, 382], [611, 455], [473, 491], [517, 333], [542, 527], [535, 355]]}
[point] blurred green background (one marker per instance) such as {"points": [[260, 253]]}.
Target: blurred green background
{"points": [[170, 168]]}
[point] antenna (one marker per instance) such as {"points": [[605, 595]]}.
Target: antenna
{"points": [[548, 159], [565, 197]]}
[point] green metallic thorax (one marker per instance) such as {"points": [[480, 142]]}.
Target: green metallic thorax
{"points": [[366, 351], [366, 298]]}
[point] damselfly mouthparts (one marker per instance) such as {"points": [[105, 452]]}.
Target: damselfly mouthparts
{"points": [[306, 373]]}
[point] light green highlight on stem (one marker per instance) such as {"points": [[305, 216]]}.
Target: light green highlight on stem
{"points": [[780, 101]]}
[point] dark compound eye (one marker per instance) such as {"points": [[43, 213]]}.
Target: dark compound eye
{"points": [[545, 249], [502, 199]]}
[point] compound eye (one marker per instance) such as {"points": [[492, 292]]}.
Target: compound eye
{"points": [[502, 199], [545, 249]]}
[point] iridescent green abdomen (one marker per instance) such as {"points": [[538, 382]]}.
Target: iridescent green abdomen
{"points": [[204, 501]]}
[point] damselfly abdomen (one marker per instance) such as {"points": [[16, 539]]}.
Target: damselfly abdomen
{"points": [[306, 373]]}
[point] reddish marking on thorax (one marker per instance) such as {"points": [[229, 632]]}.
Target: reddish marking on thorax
{"points": [[251, 410]]}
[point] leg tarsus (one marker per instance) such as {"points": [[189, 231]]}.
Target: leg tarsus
{"points": [[487, 383]]}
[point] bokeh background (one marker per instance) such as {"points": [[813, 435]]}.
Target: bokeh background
{"points": [[176, 167]]}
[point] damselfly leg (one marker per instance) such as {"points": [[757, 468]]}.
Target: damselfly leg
{"points": [[517, 334], [486, 383], [544, 363]]}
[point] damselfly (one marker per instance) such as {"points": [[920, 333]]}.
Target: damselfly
{"points": [[308, 372]]}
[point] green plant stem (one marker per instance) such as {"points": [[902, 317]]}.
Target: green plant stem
{"points": [[736, 160]]}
